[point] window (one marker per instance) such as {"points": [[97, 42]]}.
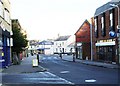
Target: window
{"points": [[1, 9], [103, 29], [8, 42], [56, 50], [1, 43], [96, 27], [102, 22], [62, 43], [7, 16], [111, 21]]}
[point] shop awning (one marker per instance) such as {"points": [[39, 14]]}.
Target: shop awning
{"points": [[105, 43]]}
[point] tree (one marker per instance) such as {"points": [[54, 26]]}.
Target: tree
{"points": [[19, 39]]}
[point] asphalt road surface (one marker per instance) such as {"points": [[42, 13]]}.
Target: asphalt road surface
{"points": [[63, 73], [78, 73]]}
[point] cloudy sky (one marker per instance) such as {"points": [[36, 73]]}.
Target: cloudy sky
{"points": [[45, 19]]}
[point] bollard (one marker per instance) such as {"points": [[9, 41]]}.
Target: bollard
{"points": [[38, 58], [73, 57], [61, 55]]}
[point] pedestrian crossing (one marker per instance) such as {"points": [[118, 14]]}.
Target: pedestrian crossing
{"points": [[49, 78], [52, 78], [37, 78]]}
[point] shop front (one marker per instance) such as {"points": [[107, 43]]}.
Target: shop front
{"points": [[106, 51], [5, 59], [79, 51]]}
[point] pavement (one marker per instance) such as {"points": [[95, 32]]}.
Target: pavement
{"points": [[26, 66], [89, 62]]}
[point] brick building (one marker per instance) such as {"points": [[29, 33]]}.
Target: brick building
{"points": [[82, 39], [105, 43]]}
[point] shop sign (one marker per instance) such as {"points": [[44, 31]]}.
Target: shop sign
{"points": [[105, 43]]}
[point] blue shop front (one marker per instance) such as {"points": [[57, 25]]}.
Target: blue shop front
{"points": [[5, 60]]}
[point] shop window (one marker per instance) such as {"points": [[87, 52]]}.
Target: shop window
{"points": [[8, 42], [1, 41]]}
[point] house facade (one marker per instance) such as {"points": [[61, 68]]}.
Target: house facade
{"points": [[82, 40], [105, 40], [70, 45], [46, 47], [60, 44], [5, 33], [33, 46]]}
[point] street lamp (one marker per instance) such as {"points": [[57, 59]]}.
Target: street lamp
{"points": [[118, 34]]}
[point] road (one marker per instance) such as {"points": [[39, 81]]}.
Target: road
{"points": [[79, 73], [62, 73]]}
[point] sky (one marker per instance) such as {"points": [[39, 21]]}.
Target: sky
{"points": [[45, 19]]}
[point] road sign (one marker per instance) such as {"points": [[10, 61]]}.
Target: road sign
{"points": [[112, 34]]}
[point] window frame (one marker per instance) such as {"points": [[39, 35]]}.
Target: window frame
{"points": [[1, 9], [103, 24], [96, 26]]}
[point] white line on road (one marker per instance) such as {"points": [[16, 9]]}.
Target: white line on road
{"points": [[64, 71], [90, 80], [50, 76]]}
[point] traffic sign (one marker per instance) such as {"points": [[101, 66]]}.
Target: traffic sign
{"points": [[112, 34]]}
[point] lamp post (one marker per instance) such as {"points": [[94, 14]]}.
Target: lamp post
{"points": [[118, 33]]}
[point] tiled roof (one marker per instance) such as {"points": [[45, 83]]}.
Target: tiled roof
{"points": [[86, 21], [46, 43], [62, 38], [104, 8]]}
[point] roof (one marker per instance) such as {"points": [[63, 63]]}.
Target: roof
{"points": [[104, 8], [62, 38], [46, 43], [83, 24]]}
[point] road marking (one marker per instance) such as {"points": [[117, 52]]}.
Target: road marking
{"points": [[51, 74], [90, 80], [64, 71], [51, 78]]}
